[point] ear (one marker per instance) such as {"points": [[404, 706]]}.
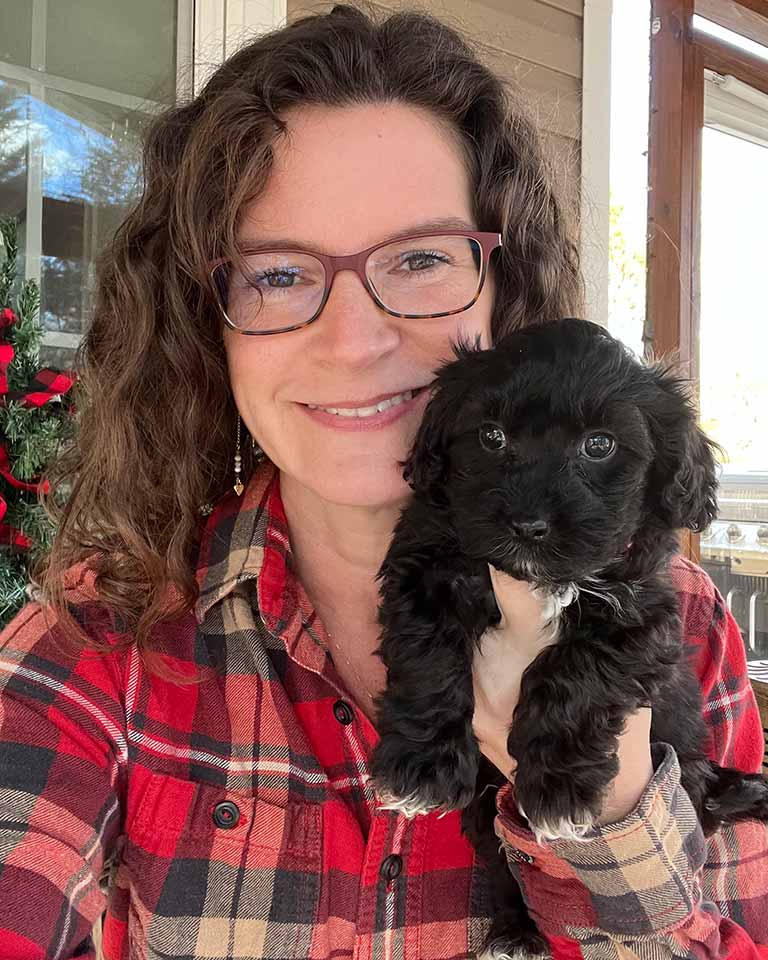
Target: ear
{"points": [[426, 468], [683, 483], [691, 496]]}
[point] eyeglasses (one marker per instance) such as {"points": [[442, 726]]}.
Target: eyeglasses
{"points": [[417, 277]]}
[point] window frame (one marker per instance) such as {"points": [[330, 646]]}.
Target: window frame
{"points": [[680, 55]]}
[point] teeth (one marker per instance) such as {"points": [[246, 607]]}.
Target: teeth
{"points": [[367, 411]]}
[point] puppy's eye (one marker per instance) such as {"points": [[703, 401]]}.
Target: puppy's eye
{"points": [[597, 446], [492, 436]]}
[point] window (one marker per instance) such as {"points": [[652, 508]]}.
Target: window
{"points": [[78, 81], [705, 269], [734, 345]]}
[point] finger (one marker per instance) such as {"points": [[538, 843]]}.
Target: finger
{"points": [[515, 599]]}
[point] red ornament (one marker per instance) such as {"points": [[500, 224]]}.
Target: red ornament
{"points": [[46, 385]]}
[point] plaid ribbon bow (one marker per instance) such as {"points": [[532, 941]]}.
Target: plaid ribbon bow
{"points": [[45, 385]]}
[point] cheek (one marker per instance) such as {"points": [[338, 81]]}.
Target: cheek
{"points": [[479, 316], [468, 325], [252, 364], [472, 323]]}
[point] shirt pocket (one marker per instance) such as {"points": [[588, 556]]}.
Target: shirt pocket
{"points": [[220, 874]]}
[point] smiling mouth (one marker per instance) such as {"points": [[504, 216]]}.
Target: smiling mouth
{"points": [[371, 411]]}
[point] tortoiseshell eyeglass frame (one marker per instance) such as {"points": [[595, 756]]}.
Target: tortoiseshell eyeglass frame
{"points": [[356, 262]]}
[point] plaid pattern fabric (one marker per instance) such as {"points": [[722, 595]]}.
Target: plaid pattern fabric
{"points": [[232, 817]]}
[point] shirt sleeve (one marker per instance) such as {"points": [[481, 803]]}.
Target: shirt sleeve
{"points": [[651, 886], [62, 755]]}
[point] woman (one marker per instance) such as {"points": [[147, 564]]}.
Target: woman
{"points": [[202, 775]]}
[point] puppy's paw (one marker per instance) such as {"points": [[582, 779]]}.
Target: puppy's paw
{"points": [[410, 807], [734, 796], [526, 944], [414, 778], [565, 828], [556, 808]]}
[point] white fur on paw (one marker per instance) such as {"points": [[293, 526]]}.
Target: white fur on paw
{"points": [[410, 807], [563, 829], [497, 950]]}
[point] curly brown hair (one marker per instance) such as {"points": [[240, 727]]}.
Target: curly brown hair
{"points": [[156, 415]]}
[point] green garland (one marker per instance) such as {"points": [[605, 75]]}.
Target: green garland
{"points": [[36, 417]]}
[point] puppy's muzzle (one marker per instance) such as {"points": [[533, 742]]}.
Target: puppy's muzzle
{"points": [[530, 530]]}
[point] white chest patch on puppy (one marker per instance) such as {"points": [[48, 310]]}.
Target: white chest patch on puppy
{"points": [[553, 602]]}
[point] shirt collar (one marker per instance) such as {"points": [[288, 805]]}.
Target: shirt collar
{"points": [[246, 538]]}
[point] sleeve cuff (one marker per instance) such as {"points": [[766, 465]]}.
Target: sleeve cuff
{"points": [[635, 877]]}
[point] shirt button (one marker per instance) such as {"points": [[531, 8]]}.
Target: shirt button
{"points": [[226, 814], [518, 856], [343, 712], [391, 867]]}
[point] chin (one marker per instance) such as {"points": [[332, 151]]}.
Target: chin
{"points": [[358, 487]]}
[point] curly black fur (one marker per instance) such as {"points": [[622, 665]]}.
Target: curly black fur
{"points": [[560, 459]]}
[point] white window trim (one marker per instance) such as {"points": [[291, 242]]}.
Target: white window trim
{"points": [[596, 156], [735, 108]]}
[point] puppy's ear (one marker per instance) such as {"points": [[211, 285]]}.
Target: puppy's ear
{"points": [[683, 482], [426, 468]]}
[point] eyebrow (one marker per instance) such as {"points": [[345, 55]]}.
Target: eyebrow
{"points": [[285, 243]]}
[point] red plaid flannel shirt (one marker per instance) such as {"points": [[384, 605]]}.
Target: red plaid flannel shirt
{"points": [[232, 818]]}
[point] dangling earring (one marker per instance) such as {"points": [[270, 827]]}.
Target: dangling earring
{"points": [[258, 453], [238, 462], [258, 456]]}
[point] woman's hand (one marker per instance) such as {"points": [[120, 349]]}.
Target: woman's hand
{"points": [[498, 666], [497, 670]]}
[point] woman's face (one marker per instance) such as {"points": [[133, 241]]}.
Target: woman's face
{"points": [[343, 180]]}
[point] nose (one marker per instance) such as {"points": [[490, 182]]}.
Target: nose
{"points": [[352, 327], [530, 529]]}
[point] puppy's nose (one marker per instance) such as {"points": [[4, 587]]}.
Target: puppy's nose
{"points": [[530, 529]]}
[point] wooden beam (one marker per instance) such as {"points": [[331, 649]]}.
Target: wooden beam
{"points": [[674, 158], [727, 59], [674, 168], [758, 6], [731, 15]]}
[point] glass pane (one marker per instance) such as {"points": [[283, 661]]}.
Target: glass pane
{"points": [[90, 178], [70, 138], [16, 32], [126, 47], [734, 379]]}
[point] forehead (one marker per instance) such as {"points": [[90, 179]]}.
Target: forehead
{"points": [[344, 178]]}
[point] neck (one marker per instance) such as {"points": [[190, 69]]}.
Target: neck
{"points": [[337, 551]]}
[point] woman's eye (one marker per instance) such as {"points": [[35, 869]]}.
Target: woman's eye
{"points": [[492, 436], [598, 446], [277, 279], [422, 260]]}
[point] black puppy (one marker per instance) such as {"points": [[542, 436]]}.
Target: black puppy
{"points": [[560, 459]]}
